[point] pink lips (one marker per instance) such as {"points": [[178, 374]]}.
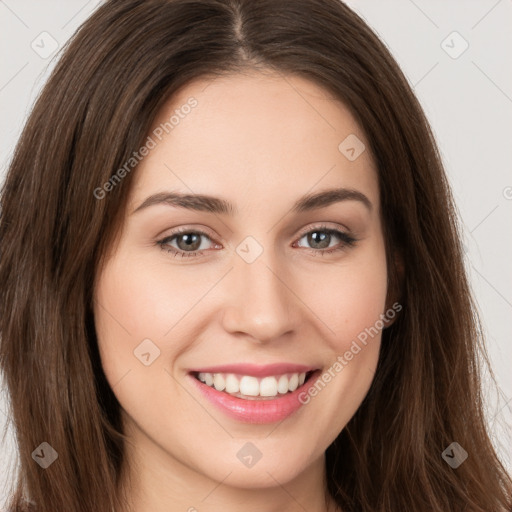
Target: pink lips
{"points": [[256, 411]]}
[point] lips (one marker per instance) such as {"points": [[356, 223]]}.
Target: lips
{"points": [[255, 394]]}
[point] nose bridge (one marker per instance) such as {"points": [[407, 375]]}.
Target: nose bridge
{"points": [[260, 304]]}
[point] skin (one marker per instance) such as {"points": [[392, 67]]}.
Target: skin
{"points": [[261, 141]]}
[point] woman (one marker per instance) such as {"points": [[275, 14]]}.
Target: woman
{"points": [[231, 274]]}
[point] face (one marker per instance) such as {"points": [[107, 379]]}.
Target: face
{"points": [[264, 293]]}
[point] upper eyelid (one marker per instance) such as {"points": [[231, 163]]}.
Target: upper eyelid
{"points": [[323, 226]]}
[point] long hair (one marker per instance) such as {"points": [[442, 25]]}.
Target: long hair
{"points": [[96, 109]]}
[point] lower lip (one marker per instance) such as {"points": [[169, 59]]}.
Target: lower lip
{"points": [[257, 411]]}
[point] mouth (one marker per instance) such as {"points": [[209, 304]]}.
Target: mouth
{"points": [[251, 394]]}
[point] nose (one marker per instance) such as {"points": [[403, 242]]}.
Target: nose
{"points": [[260, 302]]}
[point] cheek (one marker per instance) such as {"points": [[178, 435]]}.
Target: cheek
{"points": [[350, 304], [349, 298], [135, 298], [126, 313]]}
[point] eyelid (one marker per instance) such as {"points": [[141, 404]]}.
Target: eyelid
{"points": [[324, 225], [188, 229]]}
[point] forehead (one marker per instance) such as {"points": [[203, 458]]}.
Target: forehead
{"points": [[254, 137]]}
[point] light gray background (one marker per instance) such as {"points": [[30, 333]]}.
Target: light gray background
{"points": [[468, 100]]}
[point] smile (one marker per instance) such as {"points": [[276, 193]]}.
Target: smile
{"points": [[255, 394]]}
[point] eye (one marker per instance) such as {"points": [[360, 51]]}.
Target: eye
{"points": [[321, 240], [187, 242], [191, 242]]}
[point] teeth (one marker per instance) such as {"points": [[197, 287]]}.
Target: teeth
{"points": [[253, 386], [232, 384], [268, 386], [293, 383], [249, 386], [219, 382], [207, 378], [282, 385]]}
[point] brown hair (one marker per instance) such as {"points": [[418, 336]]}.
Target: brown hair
{"points": [[117, 71]]}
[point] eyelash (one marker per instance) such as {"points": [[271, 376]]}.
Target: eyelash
{"points": [[347, 241]]}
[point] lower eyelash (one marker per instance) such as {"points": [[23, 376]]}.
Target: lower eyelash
{"points": [[182, 254]]}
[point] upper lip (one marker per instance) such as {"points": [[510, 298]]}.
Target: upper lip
{"points": [[256, 370]]}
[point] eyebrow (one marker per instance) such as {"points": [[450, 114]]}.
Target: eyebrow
{"points": [[211, 204]]}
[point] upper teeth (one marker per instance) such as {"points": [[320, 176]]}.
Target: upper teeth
{"points": [[253, 386]]}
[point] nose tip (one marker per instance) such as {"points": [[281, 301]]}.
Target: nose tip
{"points": [[260, 303]]}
